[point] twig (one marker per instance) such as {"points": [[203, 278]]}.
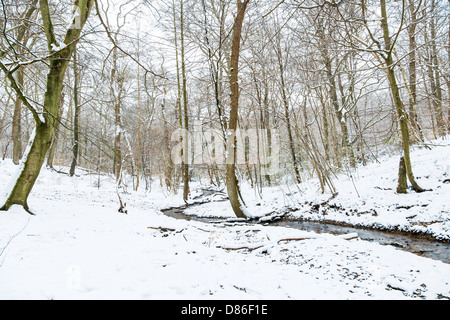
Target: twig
{"points": [[164, 229], [9, 242], [108, 33], [263, 245]]}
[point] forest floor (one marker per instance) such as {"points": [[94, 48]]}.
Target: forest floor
{"points": [[78, 246]]}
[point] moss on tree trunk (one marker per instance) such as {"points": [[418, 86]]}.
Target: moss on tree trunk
{"points": [[35, 158]]}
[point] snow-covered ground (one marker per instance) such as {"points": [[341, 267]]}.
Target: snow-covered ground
{"points": [[366, 196], [78, 246]]}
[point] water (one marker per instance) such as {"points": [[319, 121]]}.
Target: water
{"points": [[424, 247], [428, 248]]}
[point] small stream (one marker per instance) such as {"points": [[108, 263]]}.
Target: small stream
{"points": [[424, 247]]}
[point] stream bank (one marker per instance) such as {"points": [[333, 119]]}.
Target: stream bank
{"points": [[419, 244]]}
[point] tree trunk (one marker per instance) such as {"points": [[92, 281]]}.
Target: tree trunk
{"points": [[138, 135], [178, 108], [412, 70], [16, 124], [341, 117], [402, 117], [52, 151], [117, 157], [168, 163], [435, 66], [185, 165], [33, 160], [433, 74], [76, 118], [448, 74], [266, 127], [402, 182], [231, 180]]}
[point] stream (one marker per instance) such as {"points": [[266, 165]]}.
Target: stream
{"points": [[433, 249]]}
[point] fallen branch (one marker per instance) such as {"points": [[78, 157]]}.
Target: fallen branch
{"points": [[293, 239], [348, 236], [242, 248], [164, 229], [263, 245]]}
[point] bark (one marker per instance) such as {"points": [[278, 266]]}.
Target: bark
{"points": [[402, 181], [138, 135], [119, 80], [231, 180], [16, 124], [52, 151], [168, 163], [76, 118], [31, 167], [266, 126]]}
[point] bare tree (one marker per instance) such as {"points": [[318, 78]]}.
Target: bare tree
{"points": [[59, 55], [231, 180]]}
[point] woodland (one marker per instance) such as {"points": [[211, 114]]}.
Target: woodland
{"points": [[217, 149]]}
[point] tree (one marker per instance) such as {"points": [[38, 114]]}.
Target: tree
{"points": [[382, 45], [287, 111], [331, 75], [76, 116], [59, 55], [387, 56], [412, 68], [185, 164], [231, 180], [23, 37], [432, 63]]}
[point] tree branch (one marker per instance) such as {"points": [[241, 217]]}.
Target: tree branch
{"points": [[20, 95], [111, 38], [47, 23]]}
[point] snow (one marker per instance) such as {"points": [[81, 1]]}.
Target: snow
{"points": [[366, 196], [57, 46], [78, 246], [6, 191]]}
